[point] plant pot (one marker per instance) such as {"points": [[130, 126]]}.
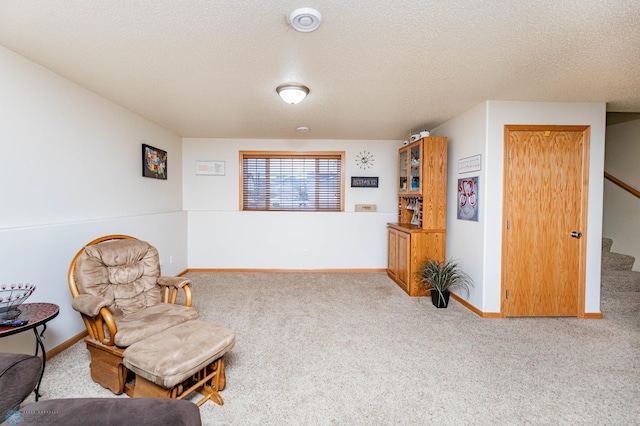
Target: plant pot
{"points": [[440, 300]]}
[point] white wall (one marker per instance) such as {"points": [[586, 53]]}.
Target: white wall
{"points": [[41, 255], [467, 135], [466, 240], [221, 236], [70, 171], [621, 209]]}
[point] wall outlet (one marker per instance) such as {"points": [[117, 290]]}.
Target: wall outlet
{"points": [[305, 252], [170, 260]]}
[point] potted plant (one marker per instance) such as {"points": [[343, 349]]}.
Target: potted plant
{"points": [[440, 278]]}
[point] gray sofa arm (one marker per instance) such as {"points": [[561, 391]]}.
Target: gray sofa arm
{"points": [[111, 411], [19, 374]]}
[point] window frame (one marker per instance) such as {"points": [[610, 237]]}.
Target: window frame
{"points": [[338, 155]]}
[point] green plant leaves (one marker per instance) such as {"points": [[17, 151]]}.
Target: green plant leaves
{"points": [[444, 276]]}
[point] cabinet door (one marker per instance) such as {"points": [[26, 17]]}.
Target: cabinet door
{"points": [[415, 168], [403, 267], [403, 170], [392, 267]]}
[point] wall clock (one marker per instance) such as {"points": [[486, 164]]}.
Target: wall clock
{"points": [[364, 160]]}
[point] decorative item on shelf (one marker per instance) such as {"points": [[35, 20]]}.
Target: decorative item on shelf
{"points": [[11, 297], [424, 133], [415, 220], [440, 278]]}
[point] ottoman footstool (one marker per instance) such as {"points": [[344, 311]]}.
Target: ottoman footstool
{"points": [[185, 358]]}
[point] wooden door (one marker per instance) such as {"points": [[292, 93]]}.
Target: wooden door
{"points": [[545, 212]]}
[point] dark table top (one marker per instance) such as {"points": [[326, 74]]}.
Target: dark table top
{"points": [[36, 313]]}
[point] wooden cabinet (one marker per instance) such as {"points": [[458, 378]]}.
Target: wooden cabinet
{"points": [[420, 232]]}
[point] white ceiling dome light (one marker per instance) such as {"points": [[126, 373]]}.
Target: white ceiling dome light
{"points": [[305, 19], [292, 93]]}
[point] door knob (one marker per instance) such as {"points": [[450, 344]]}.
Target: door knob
{"points": [[576, 234]]}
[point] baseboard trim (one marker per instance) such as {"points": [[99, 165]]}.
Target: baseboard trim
{"points": [[281, 270], [67, 344], [593, 315], [474, 309]]}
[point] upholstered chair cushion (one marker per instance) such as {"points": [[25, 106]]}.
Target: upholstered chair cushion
{"points": [[169, 358], [122, 271], [157, 319], [19, 375]]}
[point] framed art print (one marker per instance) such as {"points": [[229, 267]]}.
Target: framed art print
{"points": [[154, 162], [210, 168], [468, 198]]}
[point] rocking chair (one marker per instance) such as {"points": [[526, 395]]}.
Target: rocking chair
{"points": [[125, 303]]}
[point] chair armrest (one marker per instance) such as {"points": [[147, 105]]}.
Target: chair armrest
{"points": [[89, 305], [95, 315], [177, 282]]}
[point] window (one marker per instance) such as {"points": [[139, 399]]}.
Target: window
{"points": [[292, 181]]}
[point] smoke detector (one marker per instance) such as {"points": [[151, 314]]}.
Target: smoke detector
{"points": [[305, 19]]}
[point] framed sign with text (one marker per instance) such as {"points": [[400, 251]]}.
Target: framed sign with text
{"points": [[364, 182], [469, 164]]}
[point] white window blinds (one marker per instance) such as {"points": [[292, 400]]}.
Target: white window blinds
{"points": [[292, 181]]}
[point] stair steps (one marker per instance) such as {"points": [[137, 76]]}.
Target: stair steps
{"points": [[617, 275]]}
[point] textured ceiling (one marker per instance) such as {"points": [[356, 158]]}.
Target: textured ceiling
{"points": [[376, 69]]}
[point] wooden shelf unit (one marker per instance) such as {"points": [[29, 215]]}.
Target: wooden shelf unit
{"points": [[420, 232]]}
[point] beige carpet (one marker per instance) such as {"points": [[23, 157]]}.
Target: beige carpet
{"points": [[353, 349]]}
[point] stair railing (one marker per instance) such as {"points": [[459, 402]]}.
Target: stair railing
{"points": [[622, 184]]}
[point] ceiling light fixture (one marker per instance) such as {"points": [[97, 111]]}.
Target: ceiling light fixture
{"points": [[305, 19], [303, 129], [292, 93]]}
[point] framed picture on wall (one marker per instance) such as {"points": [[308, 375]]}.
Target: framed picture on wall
{"points": [[154, 162], [364, 181], [210, 168], [468, 198]]}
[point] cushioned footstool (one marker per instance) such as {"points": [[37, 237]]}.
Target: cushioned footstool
{"points": [[185, 358]]}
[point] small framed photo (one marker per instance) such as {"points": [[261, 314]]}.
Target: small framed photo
{"points": [[210, 168], [154, 162], [364, 181]]}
